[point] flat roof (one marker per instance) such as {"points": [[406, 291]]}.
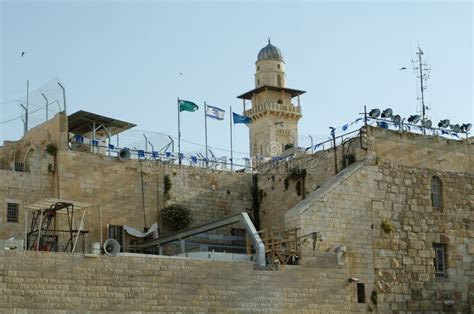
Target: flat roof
{"points": [[80, 123], [294, 92], [48, 202]]}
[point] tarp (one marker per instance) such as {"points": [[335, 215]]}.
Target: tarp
{"points": [[138, 234]]}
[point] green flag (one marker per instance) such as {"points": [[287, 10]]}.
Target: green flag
{"points": [[185, 105]]}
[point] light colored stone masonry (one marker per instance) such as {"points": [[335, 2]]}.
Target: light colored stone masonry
{"points": [[47, 282], [112, 187], [349, 209]]}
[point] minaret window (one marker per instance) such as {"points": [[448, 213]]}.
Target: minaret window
{"points": [[280, 101], [279, 80], [278, 65]]}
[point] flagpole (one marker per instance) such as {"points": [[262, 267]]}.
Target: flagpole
{"points": [[205, 130], [179, 136], [231, 150]]}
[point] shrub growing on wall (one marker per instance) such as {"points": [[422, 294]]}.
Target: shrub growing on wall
{"points": [[176, 216]]}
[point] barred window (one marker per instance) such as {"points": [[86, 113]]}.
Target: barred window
{"points": [[12, 212], [436, 193], [440, 259], [116, 232]]}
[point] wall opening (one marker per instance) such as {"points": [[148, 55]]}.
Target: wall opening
{"points": [[12, 212], [440, 259], [116, 232], [360, 293], [436, 193]]}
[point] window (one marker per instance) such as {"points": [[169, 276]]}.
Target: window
{"points": [[278, 65], [279, 80], [436, 193], [440, 259], [360, 293], [238, 236], [258, 68], [279, 101], [12, 212], [116, 232]]}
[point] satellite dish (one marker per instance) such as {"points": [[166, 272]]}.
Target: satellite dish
{"points": [[387, 113], [427, 123], [466, 127], [414, 119], [456, 128], [374, 113], [443, 123], [396, 119]]}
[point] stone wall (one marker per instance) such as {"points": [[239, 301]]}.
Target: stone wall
{"points": [[283, 185], [404, 270], [50, 282], [116, 187], [398, 266], [340, 211], [113, 188]]}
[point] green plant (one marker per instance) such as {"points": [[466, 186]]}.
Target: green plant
{"points": [[176, 216], [167, 183], [374, 297], [51, 149], [387, 226]]}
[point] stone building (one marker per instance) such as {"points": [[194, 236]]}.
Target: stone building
{"points": [[391, 212], [274, 127]]}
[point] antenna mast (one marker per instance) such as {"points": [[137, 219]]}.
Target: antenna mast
{"points": [[423, 74]]}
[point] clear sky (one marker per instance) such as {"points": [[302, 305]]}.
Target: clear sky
{"points": [[123, 59]]}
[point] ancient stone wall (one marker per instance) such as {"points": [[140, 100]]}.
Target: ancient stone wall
{"points": [[113, 188], [116, 187], [50, 282], [396, 265], [283, 185], [403, 258]]}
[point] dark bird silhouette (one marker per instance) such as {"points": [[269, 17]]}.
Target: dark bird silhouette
{"points": [[180, 73], [22, 54], [403, 68]]}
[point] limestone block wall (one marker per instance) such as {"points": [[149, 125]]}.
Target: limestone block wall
{"points": [[114, 189], [53, 131], [281, 188], [47, 282], [341, 211], [22, 188], [403, 259], [398, 266], [417, 150]]}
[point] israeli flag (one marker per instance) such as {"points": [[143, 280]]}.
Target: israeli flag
{"points": [[214, 112]]}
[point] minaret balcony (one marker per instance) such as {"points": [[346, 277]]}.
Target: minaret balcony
{"points": [[275, 108]]}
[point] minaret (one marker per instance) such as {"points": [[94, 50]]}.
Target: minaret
{"points": [[274, 127]]}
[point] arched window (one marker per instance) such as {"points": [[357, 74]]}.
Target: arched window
{"points": [[279, 101], [436, 193], [278, 65], [279, 80]]}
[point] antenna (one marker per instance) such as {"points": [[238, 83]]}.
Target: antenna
{"points": [[423, 74]]}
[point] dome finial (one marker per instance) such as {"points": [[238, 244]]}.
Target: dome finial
{"points": [[269, 40]]}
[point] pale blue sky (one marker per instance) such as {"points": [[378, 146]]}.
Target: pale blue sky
{"points": [[122, 59]]}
